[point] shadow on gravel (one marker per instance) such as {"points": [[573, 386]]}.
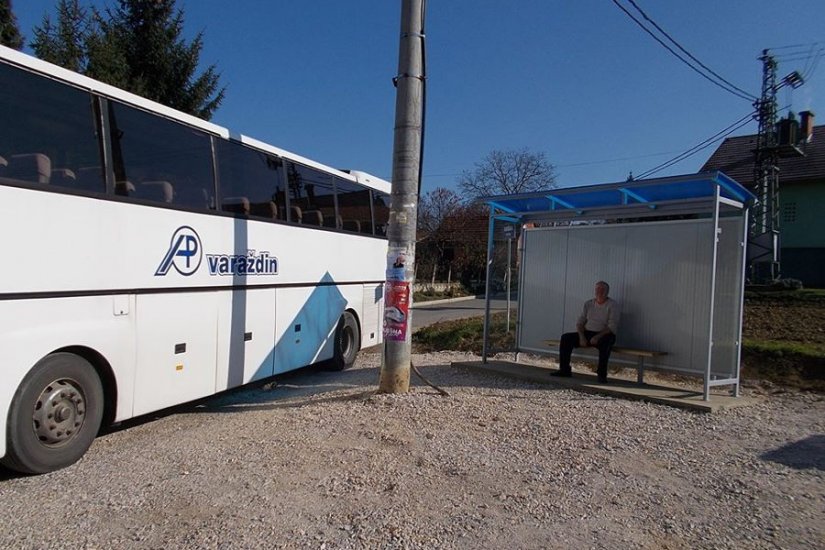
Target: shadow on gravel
{"points": [[801, 455]]}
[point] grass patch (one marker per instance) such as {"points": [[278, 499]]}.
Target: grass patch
{"points": [[805, 295], [430, 295], [466, 335], [773, 348]]}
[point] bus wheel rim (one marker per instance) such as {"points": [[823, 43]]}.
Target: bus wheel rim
{"points": [[347, 341], [59, 412]]}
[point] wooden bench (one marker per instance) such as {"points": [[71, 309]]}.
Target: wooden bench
{"points": [[639, 354]]}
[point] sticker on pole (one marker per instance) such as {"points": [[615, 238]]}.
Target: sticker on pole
{"points": [[396, 265], [396, 310]]}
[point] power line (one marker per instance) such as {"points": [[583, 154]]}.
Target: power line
{"points": [[726, 86], [799, 57], [569, 165], [708, 69], [699, 146], [798, 45]]}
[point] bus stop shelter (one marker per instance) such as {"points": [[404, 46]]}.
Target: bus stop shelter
{"points": [[672, 250]]}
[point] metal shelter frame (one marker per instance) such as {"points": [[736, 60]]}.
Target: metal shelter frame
{"points": [[706, 195]]}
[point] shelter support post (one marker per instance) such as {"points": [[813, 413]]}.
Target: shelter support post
{"points": [[743, 258], [491, 226], [715, 247]]}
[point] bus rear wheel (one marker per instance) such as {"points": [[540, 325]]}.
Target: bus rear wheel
{"points": [[347, 342], [55, 415]]}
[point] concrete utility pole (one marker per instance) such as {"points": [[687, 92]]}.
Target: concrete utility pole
{"points": [[406, 168]]}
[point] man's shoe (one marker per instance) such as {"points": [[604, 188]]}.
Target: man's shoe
{"points": [[602, 379], [561, 374]]}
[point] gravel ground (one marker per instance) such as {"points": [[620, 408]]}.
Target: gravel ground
{"points": [[320, 461]]}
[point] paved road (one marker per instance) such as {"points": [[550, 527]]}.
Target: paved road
{"points": [[424, 314]]}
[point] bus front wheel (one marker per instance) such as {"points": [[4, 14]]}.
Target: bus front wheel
{"points": [[55, 415], [347, 342]]}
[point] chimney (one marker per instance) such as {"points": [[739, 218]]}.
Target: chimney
{"points": [[806, 126]]}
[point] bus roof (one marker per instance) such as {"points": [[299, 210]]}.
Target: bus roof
{"points": [[84, 82]]}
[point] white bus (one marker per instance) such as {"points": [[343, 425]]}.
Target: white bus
{"points": [[150, 258]]}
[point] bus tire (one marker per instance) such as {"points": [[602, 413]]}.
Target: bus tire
{"points": [[54, 416], [347, 342]]}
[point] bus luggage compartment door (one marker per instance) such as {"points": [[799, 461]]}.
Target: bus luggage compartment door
{"points": [[246, 325], [176, 349]]}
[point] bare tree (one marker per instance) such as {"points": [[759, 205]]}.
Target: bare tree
{"points": [[508, 172], [432, 239], [434, 207]]}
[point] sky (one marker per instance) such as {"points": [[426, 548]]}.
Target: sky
{"points": [[576, 80]]}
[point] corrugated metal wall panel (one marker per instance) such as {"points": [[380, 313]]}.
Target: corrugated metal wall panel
{"points": [[545, 271], [659, 308], [658, 271], [728, 299], [594, 253], [703, 263]]}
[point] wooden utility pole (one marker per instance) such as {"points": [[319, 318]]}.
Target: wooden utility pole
{"points": [[406, 170]]}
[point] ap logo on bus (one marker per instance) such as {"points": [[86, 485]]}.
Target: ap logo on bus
{"points": [[185, 253]]}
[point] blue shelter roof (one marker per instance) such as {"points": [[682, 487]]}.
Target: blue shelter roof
{"points": [[691, 193]]}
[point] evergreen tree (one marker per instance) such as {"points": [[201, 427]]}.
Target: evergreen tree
{"points": [[160, 64], [9, 33], [107, 54], [137, 46], [65, 43]]}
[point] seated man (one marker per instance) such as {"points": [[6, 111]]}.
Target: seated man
{"points": [[596, 327]]}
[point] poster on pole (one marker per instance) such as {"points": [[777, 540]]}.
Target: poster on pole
{"points": [[396, 310]]}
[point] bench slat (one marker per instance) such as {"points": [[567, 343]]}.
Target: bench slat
{"points": [[624, 351]]}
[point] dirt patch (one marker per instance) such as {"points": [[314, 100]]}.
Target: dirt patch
{"points": [[784, 320]]}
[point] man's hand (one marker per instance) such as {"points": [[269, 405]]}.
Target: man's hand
{"points": [[583, 341], [595, 340]]}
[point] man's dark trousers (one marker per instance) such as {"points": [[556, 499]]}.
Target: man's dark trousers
{"points": [[570, 340]]}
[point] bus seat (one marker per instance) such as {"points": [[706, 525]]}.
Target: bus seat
{"points": [[331, 221], [195, 197], [352, 225], [313, 217], [237, 205], [267, 209], [63, 177], [35, 167], [125, 188], [158, 191], [295, 214]]}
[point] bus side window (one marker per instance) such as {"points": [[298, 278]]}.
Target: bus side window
{"points": [[168, 161], [253, 175], [381, 212], [354, 207], [47, 126]]}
